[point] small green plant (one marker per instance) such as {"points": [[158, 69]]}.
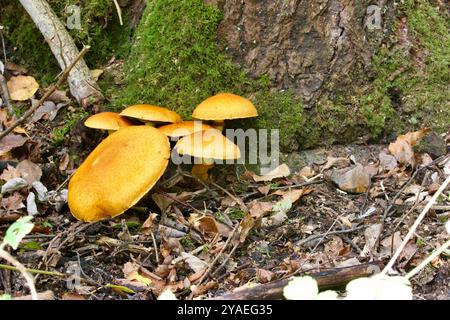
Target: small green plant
{"points": [[188, 242], [16, 232], [59, 134], [236, 214]]}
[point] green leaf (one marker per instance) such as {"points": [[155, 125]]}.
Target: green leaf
{"points": [[32, 245], [17, 231], [5, 297]]}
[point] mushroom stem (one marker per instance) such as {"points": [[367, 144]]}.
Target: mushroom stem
{"points": [[201, 170], [218, 124]]}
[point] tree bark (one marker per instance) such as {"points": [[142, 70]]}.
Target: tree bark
{"points": [[82, 86], [303, 45]]}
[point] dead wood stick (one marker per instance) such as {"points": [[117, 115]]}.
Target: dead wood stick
{"points": [[47, 94], [81, 83], [5, 94], [328, 279]]}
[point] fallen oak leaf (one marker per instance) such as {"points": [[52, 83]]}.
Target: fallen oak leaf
{"points": [[293, 195], [22, 88], [281, 171]]}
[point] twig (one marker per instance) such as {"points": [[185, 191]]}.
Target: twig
{"points": [[47, 94], [430, 258], [407, 183], [304, 184], [223, 264], [207, 272], [415, 225], [119, 12], [155, 246], [326, 234], [238, 201], [6, 98], [165, 194], [28, 277], [34, 271]]}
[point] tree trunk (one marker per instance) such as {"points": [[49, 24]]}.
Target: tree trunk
{"points": [[301, 44], [82, 86]]}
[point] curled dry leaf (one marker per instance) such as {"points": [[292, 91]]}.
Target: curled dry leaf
{"points": [[264, 276], [194, 263], [10, 142], [372, 236], [335, 162], [402, 148], [30, 171], [281, 171], [293, 195], [22, 88]]}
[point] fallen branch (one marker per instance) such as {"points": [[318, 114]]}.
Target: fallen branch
{"points": [[328, 279], [47, 94], [82, 86]]}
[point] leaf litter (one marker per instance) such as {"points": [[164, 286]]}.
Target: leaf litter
{"points": [[200, 242]]}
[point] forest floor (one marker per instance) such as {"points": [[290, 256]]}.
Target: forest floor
{"points": [[333, 210]]}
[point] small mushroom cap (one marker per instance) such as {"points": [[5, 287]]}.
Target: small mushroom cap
{"points": [[107, 121], [183, 128], [209, 144], [118, 173], [148, 112], [225, 106]]}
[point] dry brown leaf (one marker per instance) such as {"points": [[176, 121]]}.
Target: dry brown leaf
{"points": [[334, 247], [306, 172], [207, 225], [402, 148], [335, 162], [22, 88], [372, 236], [293, 195], [64, 162], [96, 73], [13, 202], [10, 173], [29, 171], [264, 190], [281, 171], [354, 180], [259, 209], [10, 142], [245, 226], [264, 276], [162, 201]]}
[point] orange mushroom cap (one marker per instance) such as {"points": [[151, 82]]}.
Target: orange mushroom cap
{"points": [[225, 106], [107, 121], [183, 128], [118, 173], [148, 112]]}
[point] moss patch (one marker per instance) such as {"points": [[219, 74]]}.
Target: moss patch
{"points": [[412, 83], [175, 62], [100, 28]]}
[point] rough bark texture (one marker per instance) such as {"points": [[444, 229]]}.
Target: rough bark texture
{"points": [[300, 44], [82, 86]]}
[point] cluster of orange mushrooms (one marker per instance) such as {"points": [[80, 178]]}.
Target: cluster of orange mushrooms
{"points": [[129, 162]]}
